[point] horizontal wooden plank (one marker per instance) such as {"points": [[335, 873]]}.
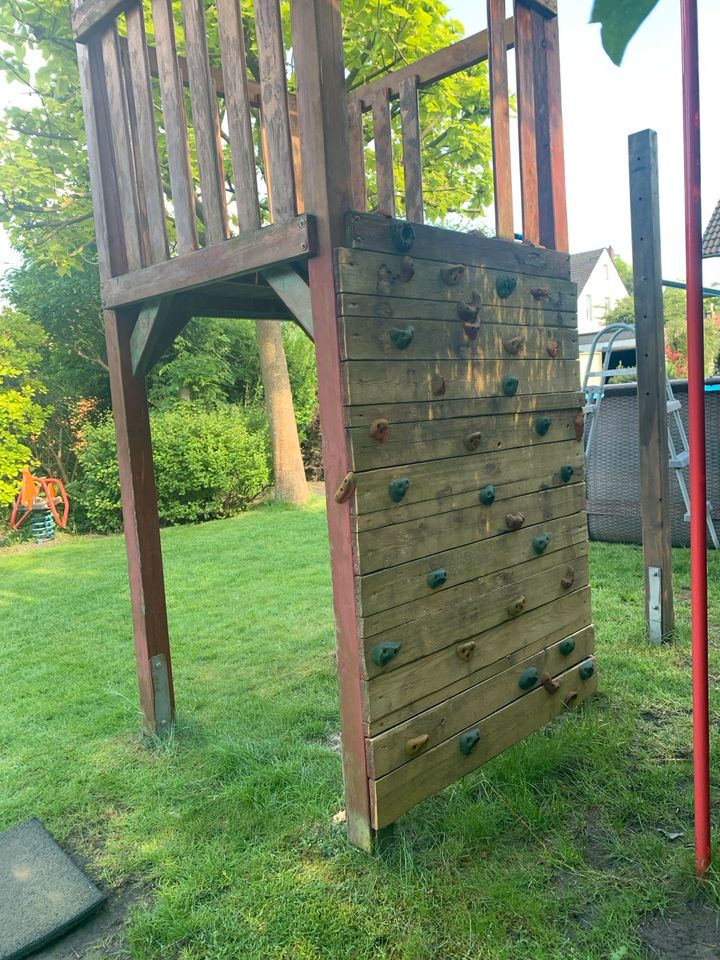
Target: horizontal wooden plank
{"points": [[390, 750], [397, 381], [274, 244], [401, 584], [386, 275], [91, 16], [404, 311], [398, 695], [428, 440], [367, 231], [437, 479], [548, 8], [394, 794], [367, 338]]}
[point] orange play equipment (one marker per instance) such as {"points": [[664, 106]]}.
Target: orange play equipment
{"points": [[39, 495]]}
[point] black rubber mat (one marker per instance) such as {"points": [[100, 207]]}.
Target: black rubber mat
{"points": [[43, 894]]}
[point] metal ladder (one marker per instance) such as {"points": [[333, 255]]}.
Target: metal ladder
{"points": [[594, 389]]}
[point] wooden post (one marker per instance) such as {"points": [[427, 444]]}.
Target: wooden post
{"points": [[317, 41], [652, 398]]}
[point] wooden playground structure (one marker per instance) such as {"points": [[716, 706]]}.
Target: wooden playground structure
{"points": [[447, 362]]}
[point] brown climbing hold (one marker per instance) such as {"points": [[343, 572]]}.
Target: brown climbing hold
{"points": [[407, 269], [384, 281], [471, 330], [469, 311], [514, 521], [579, 422], [453, 275], [346, 488], [472, 441], [570, 698], [513, 345], [551, 685], [540, 293], [517, 606], [466, 651], [439, 386], [553, 349], [379, 430], [569, 579], [416, 744]]}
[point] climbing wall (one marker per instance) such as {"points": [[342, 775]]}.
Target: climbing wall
{"points": [[464, 432]]}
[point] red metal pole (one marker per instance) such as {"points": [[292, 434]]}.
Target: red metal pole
{"points": [[696, 409]]}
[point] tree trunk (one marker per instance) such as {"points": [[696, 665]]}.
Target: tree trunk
{"points": [[290, 483]]}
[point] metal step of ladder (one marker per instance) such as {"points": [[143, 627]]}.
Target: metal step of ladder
{"points": [[594, 389]]}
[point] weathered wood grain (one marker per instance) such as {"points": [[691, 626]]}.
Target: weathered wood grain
{"points": [[357, 155], [412, 149], [383, 153], [524, 59], [92, 16], [557, 144], [500, 120]]}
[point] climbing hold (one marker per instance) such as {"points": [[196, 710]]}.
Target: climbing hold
{"points": [[570, 698], [540, 544], [453, 275], [466, 651], [402, 337], [553, 349], [567, 472], [487, 495], [587, 670], [379, 430], [513, 521], [346, 488], [567, 646], [471, 330], [439, 386], [398, 488], [472, 441], [384, 281], [542, 425], [383, 653], [528, 679], [510, 386], [416, 744], [505, 285], [551, 685], [402, 234], [407, 269], [468, 741], [517, 606], [437, 578], [540, 293], [568, 580], [579, 425], [513, 345], [469, 311]]}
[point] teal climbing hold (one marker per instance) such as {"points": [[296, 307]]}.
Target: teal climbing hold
{"points": [[540, 544], [587, 670], [510, 386], [437, 578], [402, 337], [567, 647], [398, 488], [403, 236], [567, 472], [468, 741], [487, 495], [542, 425], [528, 678], [505, 285], [383, 653]]}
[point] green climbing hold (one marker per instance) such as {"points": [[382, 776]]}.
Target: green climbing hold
{"points": [[567, 647], [505, 285], [437, 578], [542, 425], [403, 236], [540, 544], [398, 488], [487, 495], [383, 653], [567, 473], [402, 337], [510, 386], [528, 678], [587, 670], [468, 741]]}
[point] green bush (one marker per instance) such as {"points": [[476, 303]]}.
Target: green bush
{"points": [[208, 464]]}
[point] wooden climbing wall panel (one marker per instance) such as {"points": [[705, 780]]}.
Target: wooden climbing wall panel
{"points": [[464, 432]]}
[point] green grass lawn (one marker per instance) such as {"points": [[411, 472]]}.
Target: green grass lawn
{"points": [[560, 848]]}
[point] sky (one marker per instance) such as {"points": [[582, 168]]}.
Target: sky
{"points": [[602, 105]]}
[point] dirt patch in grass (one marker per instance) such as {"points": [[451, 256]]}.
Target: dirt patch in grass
{"points": [[693, 933]]}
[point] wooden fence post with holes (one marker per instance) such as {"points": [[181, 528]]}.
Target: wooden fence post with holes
{"points": [[652, 397]]}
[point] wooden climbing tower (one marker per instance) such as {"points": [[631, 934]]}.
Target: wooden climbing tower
{"points": [[447, 362]]}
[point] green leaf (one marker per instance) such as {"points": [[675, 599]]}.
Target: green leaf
{"points": [[620, 20]]}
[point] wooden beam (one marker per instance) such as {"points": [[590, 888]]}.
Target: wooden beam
{"points": [[384, 167], [152, 317], [524, 59], [412, 150], [294, 293], [548, 8], [275, 244], [500, 122], [93, 15], [652, 399]]}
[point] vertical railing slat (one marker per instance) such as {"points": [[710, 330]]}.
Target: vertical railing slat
{"points": [[147, 159], [358, 183], [546, 224], [557, 146], [500, 120], [383, 153], [412, 150], [524, 56], [274, 110], [204, 119], [175, 121], [237, 107]]}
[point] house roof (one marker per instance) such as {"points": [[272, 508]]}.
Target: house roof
{"points": [[582, 265], [711, 237]]}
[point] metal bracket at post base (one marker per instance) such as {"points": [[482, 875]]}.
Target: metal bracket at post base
{"points": [[161, 691], [654, 613]]}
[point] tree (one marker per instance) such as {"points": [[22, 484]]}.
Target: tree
{"points": [[620, 21]]}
